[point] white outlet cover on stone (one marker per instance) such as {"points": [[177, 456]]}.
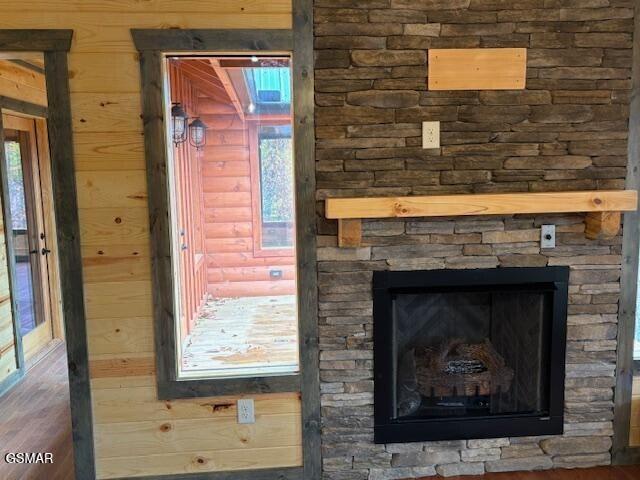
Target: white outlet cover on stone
{"points": [[548, 236], [430, 134]]}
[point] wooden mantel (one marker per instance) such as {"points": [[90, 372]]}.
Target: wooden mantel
{"points": [[603, 209]]}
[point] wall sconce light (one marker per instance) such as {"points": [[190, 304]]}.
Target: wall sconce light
{"points": [[198, 134], [179, 119]]}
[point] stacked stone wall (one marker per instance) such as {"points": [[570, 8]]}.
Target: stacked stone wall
{"points": [[567, 131]]}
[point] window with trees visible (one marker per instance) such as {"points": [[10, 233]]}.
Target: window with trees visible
{"points": [[276, 213]]}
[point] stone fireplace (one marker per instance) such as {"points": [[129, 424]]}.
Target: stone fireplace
{"points": [[567, 131], [469, 354]]}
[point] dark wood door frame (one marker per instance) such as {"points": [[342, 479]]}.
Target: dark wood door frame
{"points": [[17, 375], [153, 45], [55, 45], [622, 452]]}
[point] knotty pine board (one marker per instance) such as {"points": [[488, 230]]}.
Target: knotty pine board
{"points": [[21, 83], [116, 263], [119, 336], [109, 32], [109, 151], [477, 69]]}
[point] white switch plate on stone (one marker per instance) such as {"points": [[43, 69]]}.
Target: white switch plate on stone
{"points": [[246, 411], [430, 134], [548, 236]]}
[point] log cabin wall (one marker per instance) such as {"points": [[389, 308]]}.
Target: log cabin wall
{"points": [[231, 185], [189, 215], [136, 435]]}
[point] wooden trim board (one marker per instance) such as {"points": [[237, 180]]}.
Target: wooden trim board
{"points": [[26, 108], [5, 207], [622, 452], [602, 221], [152, 77], [70, 257], [478, 69], [484, 204], [35, 40], [153, 45], [306, 234]]}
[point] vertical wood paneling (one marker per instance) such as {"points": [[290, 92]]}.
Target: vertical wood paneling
{"points": [[188, 196], [106, 107]]}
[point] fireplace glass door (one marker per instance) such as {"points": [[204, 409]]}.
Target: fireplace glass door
{"points": [[472, 352], [469, 353]]}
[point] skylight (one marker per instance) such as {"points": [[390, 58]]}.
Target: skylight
{"points": [[269, 88]]}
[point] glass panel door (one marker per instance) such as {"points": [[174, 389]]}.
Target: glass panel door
{"points": [[21, 241], [28, 237]]}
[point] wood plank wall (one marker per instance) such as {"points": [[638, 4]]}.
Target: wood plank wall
{"points": [[189, 215], [26, 85], [234, 267], [22, 83], [134, 433], [635, 413]]}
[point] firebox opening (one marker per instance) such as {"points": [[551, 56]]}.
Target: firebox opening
{"points": [[456, 347]]}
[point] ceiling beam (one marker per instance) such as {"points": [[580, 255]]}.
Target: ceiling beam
{"points": [[226, 82]]}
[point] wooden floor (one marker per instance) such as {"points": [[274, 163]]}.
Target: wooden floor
{"points": [[600, 473], [241, 335], [35, 417]]}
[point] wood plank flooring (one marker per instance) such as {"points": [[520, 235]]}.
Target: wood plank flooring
{"points": [[243, 335], [600, 473], [35, 417]]}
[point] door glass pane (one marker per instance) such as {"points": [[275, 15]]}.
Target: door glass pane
{"points": [[276, 186], [24, 288]]}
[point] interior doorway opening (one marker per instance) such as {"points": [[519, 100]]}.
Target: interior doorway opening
{"points": [[35, 288], [232, 202], [32, 347]]}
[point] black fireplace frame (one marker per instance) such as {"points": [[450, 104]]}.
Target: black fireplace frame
{"points": [[387, 429]]}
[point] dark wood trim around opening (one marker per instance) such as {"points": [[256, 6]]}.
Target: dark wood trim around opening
{"points": [[55, 44], [622, 452], [18, 374], [197, 40], [153, 45], [304, 144], [21, 106], [151, 64], [70, 258], [35, 40]]}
